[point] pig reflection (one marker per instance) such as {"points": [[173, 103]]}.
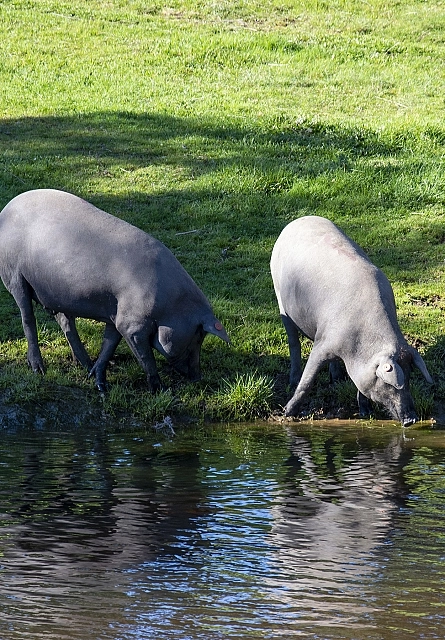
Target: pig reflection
{"points": [[120, 524], [70, 548], [327, 530]]}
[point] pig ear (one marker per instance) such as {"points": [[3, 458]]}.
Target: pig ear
{"points": [[216, 329], [418, 361], [391, 373]]}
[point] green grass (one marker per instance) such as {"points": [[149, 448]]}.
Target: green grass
{"points": [[227, 120], [247, 396]]}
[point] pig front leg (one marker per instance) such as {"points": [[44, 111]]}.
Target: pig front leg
{"points": [[111, 339], [315, 362], [138, 335], [68, 326], [293, 338]]}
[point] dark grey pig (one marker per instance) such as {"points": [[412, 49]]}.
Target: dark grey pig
{"points": [[328, 289], [78, 261]]}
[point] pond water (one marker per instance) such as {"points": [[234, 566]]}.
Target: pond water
{"points": [[239, 531]]}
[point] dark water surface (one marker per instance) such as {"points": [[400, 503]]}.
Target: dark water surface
{"points": [[261, 531]]}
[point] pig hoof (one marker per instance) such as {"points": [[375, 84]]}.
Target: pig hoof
{"points": [[156, 388], [154, 384], [37, 367], [290, 411]]}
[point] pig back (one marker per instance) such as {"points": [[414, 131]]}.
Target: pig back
{"points": [[81, 260], [320, 275]]}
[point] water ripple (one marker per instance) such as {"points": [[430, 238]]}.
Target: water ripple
{"points": [[296, 533]]}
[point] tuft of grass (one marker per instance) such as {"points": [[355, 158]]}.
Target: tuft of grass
{"points": [[423, 398], [247, 397]]}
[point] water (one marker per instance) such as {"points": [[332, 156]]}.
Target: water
{"points": [[258, 531]]}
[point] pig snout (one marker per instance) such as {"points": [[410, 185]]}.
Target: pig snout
{"points": [[407, 414], [400, 407], [189, 367], [409, 420], [406, 417]]}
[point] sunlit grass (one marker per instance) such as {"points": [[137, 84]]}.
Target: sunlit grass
{"points": [[247, 397]]}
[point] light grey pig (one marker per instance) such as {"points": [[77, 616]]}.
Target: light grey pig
{"points": [[78, 261], [328, 289]]}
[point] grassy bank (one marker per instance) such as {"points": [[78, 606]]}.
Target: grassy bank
{"points": [[211, 125]]}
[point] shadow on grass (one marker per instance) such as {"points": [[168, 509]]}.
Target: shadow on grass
{"points": [[65, 151], [238, 188]]}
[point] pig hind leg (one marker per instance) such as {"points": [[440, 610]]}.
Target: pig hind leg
{"points": [[111, 339], [293, 338], [68, 326], [23, 295]]}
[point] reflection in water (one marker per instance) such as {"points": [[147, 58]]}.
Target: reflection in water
{"points": [[243, 532], [327, 524], [73, 517]]}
